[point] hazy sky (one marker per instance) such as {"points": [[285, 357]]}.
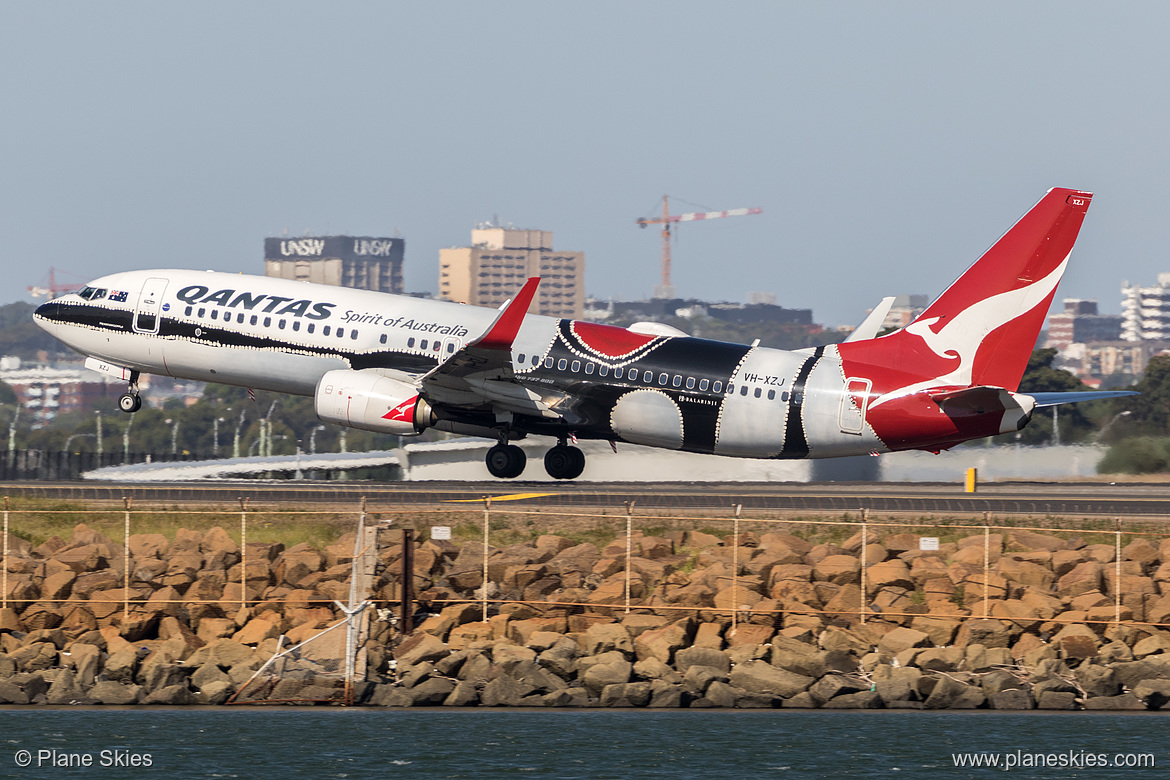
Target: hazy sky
{"points": [[888, 143]]}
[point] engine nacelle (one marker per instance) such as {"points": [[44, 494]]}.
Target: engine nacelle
{"points": [[372, 402]]}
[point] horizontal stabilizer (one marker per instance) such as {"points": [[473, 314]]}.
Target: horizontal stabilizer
{"points": [[1055, 399]]}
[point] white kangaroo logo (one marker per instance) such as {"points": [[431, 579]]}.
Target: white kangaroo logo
{"points": [[961, 336]]}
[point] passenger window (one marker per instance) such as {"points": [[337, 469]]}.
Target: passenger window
{"points": [[663, 379], [703, 385], [603, 371], [677, 381], [188, 312], [296, 324], [548, 362], [280, 324], [743, 389], [589, 368], [240, 318], [310, 328], [450, 347], [424, 344], [410, 342], [771, 395], [758, 392], [717, 387], [522, 359], [784, 396], [254, 319], [382, 338], [325, 330], [341, 333], [633, 374], [536, 360], [576, 366], [562, 364], [690, 383], [353, 334], [437, 346], [268, 322], [202, 312], [215, 314]]}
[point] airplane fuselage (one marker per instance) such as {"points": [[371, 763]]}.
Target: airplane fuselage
{"points": [[603, 382]]}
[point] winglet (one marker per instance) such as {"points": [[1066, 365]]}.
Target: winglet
{"points": [[503, 331], [870, 326]]}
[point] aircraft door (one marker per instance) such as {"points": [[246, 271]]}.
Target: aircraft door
{"points": [[450, 347], [146, 316], [852, 416]]}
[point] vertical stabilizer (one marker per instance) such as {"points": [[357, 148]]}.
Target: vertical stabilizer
{"points": [[982, 329]]}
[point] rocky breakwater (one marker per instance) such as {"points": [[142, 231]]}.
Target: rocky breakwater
{"points": [[1013, 620]]}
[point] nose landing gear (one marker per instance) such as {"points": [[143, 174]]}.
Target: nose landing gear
{"points": [[130, 402]]}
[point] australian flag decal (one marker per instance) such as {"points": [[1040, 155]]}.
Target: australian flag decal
{"points": [[118, 296]]}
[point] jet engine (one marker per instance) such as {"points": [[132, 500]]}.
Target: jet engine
{"points": [[372, 402]]}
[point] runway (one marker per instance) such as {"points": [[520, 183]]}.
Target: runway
{"points": [[1018, 498]]}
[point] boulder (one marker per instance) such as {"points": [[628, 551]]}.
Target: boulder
{"points": [[660, 643], [1011, 699], [111, 692], [901, 639], [762, 677], [611, 672], [1126, 701], [950, 694], [420, 647], [431, 692], [701, 656], [604, 637]]}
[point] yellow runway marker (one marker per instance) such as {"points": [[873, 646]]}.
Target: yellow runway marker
{"points": [[513, 497]]}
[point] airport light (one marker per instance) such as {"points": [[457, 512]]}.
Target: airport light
{"points": [[313, 439], [239, 425]]}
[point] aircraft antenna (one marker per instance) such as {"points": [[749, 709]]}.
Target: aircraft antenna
{"points": [[666, 289]]}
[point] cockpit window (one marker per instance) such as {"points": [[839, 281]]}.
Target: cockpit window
{"points": [[92, 293]]}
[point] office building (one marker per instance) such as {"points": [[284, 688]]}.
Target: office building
{"points": [[361, 262], [494, 268]]}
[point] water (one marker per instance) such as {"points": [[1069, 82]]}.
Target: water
{"points": [[361, 743]]}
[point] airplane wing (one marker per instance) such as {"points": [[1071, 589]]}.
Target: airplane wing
{"points": [[481, 372]]}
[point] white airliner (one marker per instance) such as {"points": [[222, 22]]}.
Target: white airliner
{"points": [[399, 365]]}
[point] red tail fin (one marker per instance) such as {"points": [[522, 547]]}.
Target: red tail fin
{"points": [[982, 329]]}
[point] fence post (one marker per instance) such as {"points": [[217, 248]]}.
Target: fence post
{"points": [[735, 571], [4, 571], [629, 548], [1117, 575], [243, 552], [407, 580], [126, 567], [487, 504], [864, 544], [986, 565]]}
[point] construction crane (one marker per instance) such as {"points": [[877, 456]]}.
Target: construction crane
{"points": [[51, 288], [666, 289]]}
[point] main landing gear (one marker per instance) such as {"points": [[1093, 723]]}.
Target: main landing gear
{"points": [[130, 402], [506, 461], [564, 462]]}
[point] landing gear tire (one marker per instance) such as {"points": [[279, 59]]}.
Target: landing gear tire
{"points": [[506, 461], [564, 462], [129, 403]]}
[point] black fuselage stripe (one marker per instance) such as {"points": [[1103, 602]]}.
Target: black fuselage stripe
{"points": [[795, 440]]}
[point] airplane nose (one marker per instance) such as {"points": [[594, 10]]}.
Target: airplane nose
{"points": [[47, 314]]}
